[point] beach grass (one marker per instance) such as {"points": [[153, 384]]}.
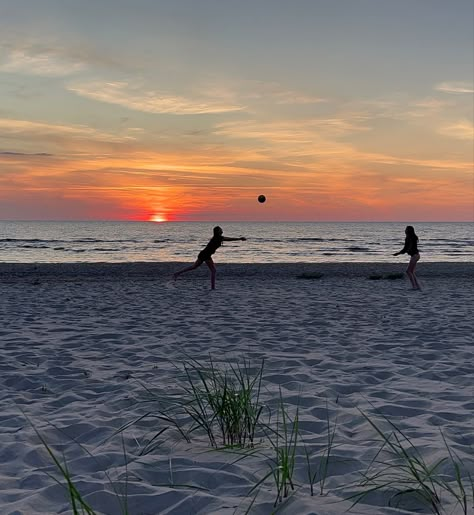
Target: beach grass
{"points": [[283, 440], [399, 469], [224, 404], [78, 505], [76, 499], [224, 401], [320, 474]]}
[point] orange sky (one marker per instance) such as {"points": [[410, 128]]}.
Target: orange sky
{"points": [[92, 128]]}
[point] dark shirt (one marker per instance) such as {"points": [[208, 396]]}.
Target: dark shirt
{"points": [[411, 246], [214, 243]]}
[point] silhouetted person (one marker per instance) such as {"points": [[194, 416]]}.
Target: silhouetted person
{"points": [[205, 256], [411, 248]]}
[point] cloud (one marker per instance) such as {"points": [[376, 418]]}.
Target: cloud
{"points": [[22, 128], [273, 92], [440, 164], [430, 103], [426, 108], [292, 97], [291, 131], [455, 87], [463, 130], [8, 153], [209, 97], [135, 97], [34, 60]]}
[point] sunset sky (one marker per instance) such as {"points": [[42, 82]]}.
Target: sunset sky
{"points": [[189, 109]]}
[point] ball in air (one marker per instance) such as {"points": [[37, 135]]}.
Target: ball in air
{"points": [[261, 199]]}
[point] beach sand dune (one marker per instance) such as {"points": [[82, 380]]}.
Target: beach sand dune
{"points": [[82, 347]]}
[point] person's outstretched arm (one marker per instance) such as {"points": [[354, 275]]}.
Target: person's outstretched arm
{"points": [[225, 238]]}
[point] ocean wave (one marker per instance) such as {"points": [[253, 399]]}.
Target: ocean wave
{"points": [[33, 246], [358, 249], [97, 249], [28, 240], [448, 244], [95, 240], [316, 239], [451, 240]]}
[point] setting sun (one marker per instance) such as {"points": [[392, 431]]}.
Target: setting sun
{"points": [[158, 218]]}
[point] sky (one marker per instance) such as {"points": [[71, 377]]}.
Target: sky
{"points": [[187, 110]]}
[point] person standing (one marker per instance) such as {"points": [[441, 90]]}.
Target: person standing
{"points": [[411, 248], [205, 256]]}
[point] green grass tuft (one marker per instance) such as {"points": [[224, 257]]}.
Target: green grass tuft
{"points": [[224, 401], [399, 469], [321, 472], [283, 440]]}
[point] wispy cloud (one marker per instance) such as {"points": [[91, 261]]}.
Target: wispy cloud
{"points": [[455, 87], [424, 108], [399, 107], [273, 92], [440, 164], [206, 98], [24, 154], [33, 60], [293, 97], [29, 128], [291, 131], [463, 129], [133, 96]]}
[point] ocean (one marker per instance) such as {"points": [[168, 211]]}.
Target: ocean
{"points": [[267, 242]]}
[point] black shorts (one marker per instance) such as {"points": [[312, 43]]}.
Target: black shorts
{"points": [[204, 256]]}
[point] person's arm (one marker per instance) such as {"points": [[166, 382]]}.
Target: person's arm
{"points": [[225, 238], [404, 250]]}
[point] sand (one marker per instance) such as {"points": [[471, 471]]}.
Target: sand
{"points": [[84, 346]]}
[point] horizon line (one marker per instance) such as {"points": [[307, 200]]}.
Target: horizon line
{"points": [[236, 221]]}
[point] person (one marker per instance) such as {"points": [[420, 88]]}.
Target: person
{"points": [[205, 256], [411, 248]]}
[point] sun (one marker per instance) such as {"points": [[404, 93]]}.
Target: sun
{"points": [[158, 218]]}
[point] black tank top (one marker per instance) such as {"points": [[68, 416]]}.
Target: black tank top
{"points": [[214, 243], [411, 246]]}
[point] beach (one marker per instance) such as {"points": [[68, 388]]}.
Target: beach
{"points": [[92, 355]]}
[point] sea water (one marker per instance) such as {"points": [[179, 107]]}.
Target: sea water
{"points": [[267, 242]]}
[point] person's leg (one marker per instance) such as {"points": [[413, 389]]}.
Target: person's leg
{"points": [[415, 260], [196, 264], [212, 268], [411, 271]]}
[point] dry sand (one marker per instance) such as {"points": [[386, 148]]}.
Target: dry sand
{"points": [[81, 344]]}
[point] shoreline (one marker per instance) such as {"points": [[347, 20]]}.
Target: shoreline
{"points": [[152, 271]]}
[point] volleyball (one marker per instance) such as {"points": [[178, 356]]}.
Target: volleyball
{"points": [[261, 199]]}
